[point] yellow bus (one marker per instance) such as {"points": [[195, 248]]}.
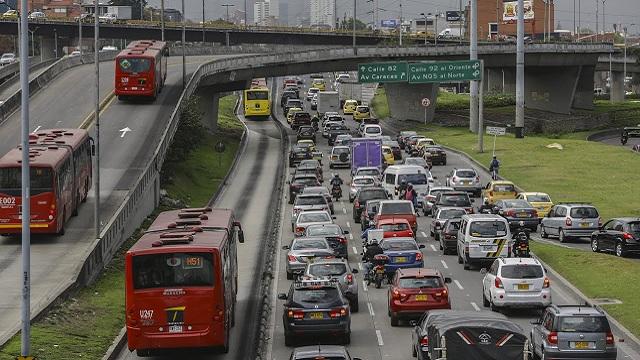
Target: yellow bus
{"points": [[257, 102]]}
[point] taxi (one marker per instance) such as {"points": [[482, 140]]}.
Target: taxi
{"points": [[309, 144], [499, 190], [540, 201], [361, 112], [387, 153], [349, 107], [319, 83], [292, 112]]}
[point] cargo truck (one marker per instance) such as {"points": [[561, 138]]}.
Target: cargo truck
{"points": [[328, 101], [366, 152]]}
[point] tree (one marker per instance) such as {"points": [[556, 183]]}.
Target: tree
{"points": [[136, 6], [348, 24]]}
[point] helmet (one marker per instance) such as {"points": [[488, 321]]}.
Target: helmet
{"points": [[373, 242], [494, 157], [336, 176], [403, 182], [486, 201]]}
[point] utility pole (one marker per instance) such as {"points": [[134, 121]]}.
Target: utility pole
{"points": [[604, 25], [227, 6], [184, 40], [162, 18], [520, 72], [96, 59], [245, 13], [25, 349], [80, 35], [624, 78], [544, 22], [575, 30], [497, 20], [425, 30], [473, 55], [353, 20], [400, 27], [579, 25], [597, 7], [203, 20]]}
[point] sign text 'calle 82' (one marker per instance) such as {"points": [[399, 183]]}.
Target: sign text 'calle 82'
{"points": [[382, 72]]}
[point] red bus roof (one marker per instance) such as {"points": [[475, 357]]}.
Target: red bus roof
{"points": [[143, 48], [39, 156], [186, 229], [71, 137]]}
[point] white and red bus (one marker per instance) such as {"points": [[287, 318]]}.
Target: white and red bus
{"points": [[141, 69], [182, 280], [60, 170]]}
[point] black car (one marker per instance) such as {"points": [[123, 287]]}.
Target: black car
{"points": [[334, 235], [306, 170], [306, 133], [292, 103], [293, 88], [448, 237], [366, 216], [458, 199], [517, 212], [286, 95], [299, 182], [620, 236], [365, 194], [335, 130], [315, 308], [297, 154], [435, 155], [300, 118], [315, 352]]}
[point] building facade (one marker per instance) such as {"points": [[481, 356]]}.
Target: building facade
{"points": [[53, 8], [497, 19], [322, 13], [266, 12]]}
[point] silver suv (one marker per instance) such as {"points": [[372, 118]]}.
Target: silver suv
{"points": [[568, 220], [339, 270], [572, 332], [465, 180]]}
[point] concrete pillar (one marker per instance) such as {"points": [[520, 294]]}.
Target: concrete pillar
{"points": [[554, 88], [48, 48], [208, 98], [583, 94], [617, 86], [405, 101]]}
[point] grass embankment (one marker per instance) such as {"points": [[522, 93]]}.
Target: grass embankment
{"points": [[380, 105], [84, 326], [599, 276]]}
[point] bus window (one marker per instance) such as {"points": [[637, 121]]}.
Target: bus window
{"points": [[172, 269], [257, 95], [134, 65], [11, 180]]}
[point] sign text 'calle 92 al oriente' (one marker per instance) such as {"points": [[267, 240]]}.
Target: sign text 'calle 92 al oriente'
{"points": [[444, 71]]}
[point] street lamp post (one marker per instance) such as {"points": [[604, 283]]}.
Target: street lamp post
{"points": [[400, 27], [80, 34], [425, 28], [624, 78], [162, 19], [184, 40], [96, 60], [604, 25], [203, 20], [597, 8], [520, 72], [227, 6], [353, 20]]}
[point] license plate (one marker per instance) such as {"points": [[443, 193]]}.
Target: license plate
{"points": [[421, 297], [401, 259], [582, 345], [466, 182], [488, 247], [523, 286], [175, 328], [316, 316], [585, 224], [523, 215]]}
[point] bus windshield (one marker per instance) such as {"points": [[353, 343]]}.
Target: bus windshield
{"points": [[11, 180], [134, 65], [172, 269], [257, 95]]}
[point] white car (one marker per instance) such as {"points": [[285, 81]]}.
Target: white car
{"points": [[307, 202], [8, 58], [37, 15], [359, 182], [109, 48], [307, 218], [311, 92], [371, 130], [327, 125], [108, 18], [74, 53], [516, 283]]}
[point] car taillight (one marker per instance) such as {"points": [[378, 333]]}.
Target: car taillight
{"points": [[419, 256], [342, 240], [349, 278], [510, 213], [299, 230], [546, 283], [599, 221], [295, 314], [424, 342], [552, 338], [498, 283], [610, 338], [339, 312], [291, 258], [627, 236], [397, 295], [568, 222]]}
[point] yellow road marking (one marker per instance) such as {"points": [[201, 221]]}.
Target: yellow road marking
{"points": [[104, 104]]}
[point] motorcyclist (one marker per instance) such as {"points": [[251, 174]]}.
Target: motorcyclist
{"points": [[412, 195], [336, 181], [402, 188], [373, 249], [520, 236], [494, 167], [485, 206]]}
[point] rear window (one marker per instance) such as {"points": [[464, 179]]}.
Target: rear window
{"points": [[487, 228], [316, 296], [415, 179], [363, 181], [399, 245], [396, 208], [320, 217], [517, 204], [372, 194], [292, 102], [465, 173], [323, 230], [538, 198], [451, 214], [306, 181], [134, 65], [11, 180], [327, 269], [522, 271], [583, 324], [370, 172], [504, 188], [341, 150], [172, 269], [362, 109], [372, 130], [310, 200], [634, 227], [453, 225], [308, 244], [395, 227], [455, 200], [584, 212], [432, 282], [416, 161]]}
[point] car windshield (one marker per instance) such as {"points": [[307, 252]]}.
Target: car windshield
{"points": [[415, 179], [451, 213], [504, 188], [363, 181], [362, 109], [323, 230], [538, 198], [396, 208], [398, 245], [310, 200], [372, 130], [455, 199], [432, 282], [465, 173], [370, 172], [306, 181], [584, 212], [335, 118], [583, 324], [372, 194], [294, 102], [314, 296], [172, 269], [435, 192], [309, 244], [327, 269], [524, 271], [416, 161], [314, 217], [134, 65], [487, 228], [517, 204], [395, 227], [313, 90]]}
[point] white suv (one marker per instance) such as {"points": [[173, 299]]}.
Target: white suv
{"points": [[516, 282]]}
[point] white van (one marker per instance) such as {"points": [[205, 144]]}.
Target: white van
{"points": [[415, 175], [482, 238], [371, 130]]}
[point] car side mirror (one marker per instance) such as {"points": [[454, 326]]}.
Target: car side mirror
{"points": [[286, 247], [333, 217], [346, 232], [448, 280], [413, 323], [483, 271], [421, 246], [355, 271], [282, 296], [241, 236]]}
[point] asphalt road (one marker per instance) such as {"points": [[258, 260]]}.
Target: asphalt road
{"points": [[372, 335], [7, 90]]}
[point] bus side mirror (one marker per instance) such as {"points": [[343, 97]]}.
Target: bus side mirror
{"points": [[93, 150], [241, 236]]}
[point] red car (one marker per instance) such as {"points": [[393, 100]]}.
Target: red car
{"points": [[395, 227], [416, 290]]}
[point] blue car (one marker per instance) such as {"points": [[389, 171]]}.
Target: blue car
{"points": [[403, 253]]}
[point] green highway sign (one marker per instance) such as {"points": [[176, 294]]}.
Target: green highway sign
{"points": [[444, 71], [382, 72]]}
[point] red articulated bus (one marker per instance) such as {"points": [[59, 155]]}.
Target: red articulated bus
{"points": [[182, 280], [60, 169], [141, 69]]}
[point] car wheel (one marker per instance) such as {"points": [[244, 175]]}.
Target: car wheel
{"points": [[289, 276], [620, 250], [485, 302], [595, 247], [459, 258], [543, 232], [493, 307], [394, 320], [561, 236], [414, 353], [347, 339]]}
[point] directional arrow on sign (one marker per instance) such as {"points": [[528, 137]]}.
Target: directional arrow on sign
{"points": [[476, 73], [476, 65], [124, 131]]}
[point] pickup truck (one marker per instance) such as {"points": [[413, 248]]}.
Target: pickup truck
{"points": [[397, 209]]}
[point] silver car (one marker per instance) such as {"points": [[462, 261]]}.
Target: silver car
{"points": [[307, 218], [340, 156], [343, 139], [307, 202], [321, 190], [340, 270], [370, 171], [303, 249], [441, 216], [570, 220], [465, 180], [430, 198], [359, 182]]}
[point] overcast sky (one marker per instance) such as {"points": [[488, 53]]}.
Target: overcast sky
{"points": [[618, 11]]}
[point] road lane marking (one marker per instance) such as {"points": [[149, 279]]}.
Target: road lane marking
{"points": [[344, 211], [348, 224], [373, 314], [475, 306], [433, 247], [355, 251], [423, 234], [444, 264], [36, 129], [458, 284], [360, 266], [364, 286], [350, 236], [103, 106], [379, 336]]}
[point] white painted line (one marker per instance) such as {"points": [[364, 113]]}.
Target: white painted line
{"points": [[475, 306], [433, 247], [37, 128], [348, 224], [379, 336], [444, 264], [423, 234], [458, 284], [373, 314], [364, 286], [360, 266], [355, 251], [344, 211], [350, 236]]}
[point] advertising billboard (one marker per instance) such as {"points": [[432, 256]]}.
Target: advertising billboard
{"points": [[392, 23], [453, 16], [510, 10]]}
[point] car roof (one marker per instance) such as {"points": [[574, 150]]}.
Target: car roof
{"points": [[483, 217], [395, 201], [341, 147], [335, 260], [502, 182], [441, 188], [357, 177], [316, 212], [627, 219], [418, 272], [393, 221], [528, 193], [582, 310], [319, 350], [309, 195], [519, 261], [367, 168], [304, 176], [465, 169]]}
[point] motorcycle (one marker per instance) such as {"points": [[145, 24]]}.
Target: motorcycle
{"points": [[521, 242], [377, 272], [336, 192]]}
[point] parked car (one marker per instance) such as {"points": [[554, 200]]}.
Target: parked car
{"points": [[301, 250], [416, 291], [570, 220], [620, 236], [340, 271], [518, 213], [465, 180]]}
